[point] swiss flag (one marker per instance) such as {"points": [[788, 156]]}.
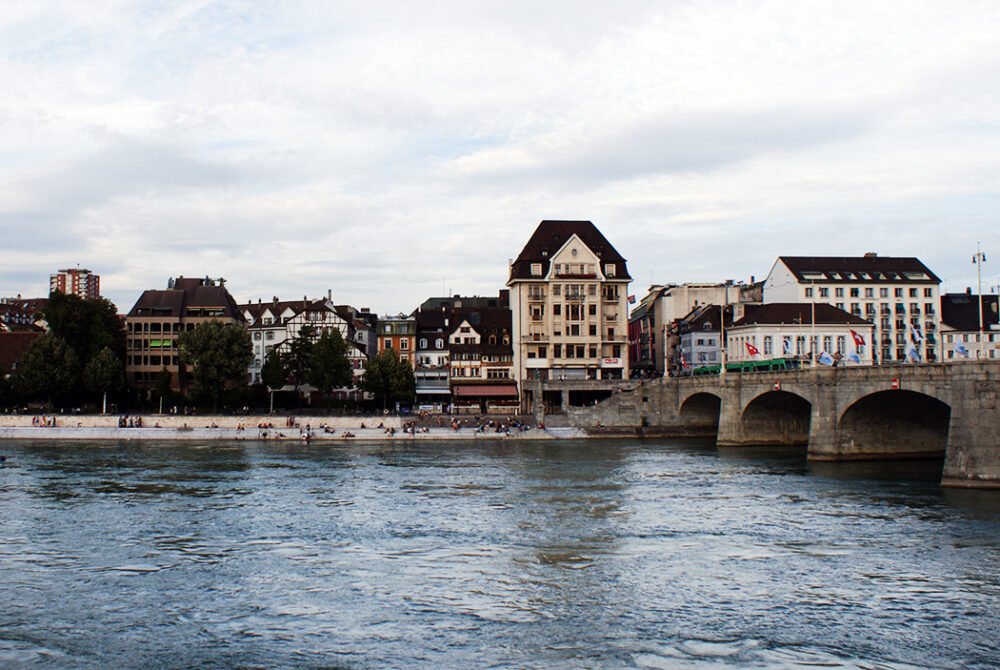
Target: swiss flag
{"points": [[859, 340], [752, 350]]}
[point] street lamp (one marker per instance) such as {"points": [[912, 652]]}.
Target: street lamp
{"points": [[978, 261], [722, 323]]}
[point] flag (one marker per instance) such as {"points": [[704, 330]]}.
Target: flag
{"points": [[854, 358], [915, 335], [684, 361], [913, 354], [825, 359], [752, 350], [631, 299], [960, 350], [786, 346], [859, 340]]}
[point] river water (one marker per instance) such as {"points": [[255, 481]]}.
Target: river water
{"points": [[596, 554]]}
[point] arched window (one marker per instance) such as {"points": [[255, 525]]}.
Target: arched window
{"points": [[423, 342], [439, 343]]}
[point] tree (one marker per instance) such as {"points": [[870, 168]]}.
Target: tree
{"points": [[274, 373], [389, 379], [299, 358], [48, 369], [164, 385], [218, 354], [330, 367], [87, 326], [103, 373]]}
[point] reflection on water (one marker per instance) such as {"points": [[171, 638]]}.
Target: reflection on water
{"points": [[508, 554]]}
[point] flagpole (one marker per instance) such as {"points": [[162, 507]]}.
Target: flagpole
{"points": [[812, 328], [722, 321]]}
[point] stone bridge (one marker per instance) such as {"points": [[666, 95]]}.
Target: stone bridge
{"points": [[912, 411]]}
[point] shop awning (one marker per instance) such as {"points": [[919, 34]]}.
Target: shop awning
{"points": [[485, 391]]}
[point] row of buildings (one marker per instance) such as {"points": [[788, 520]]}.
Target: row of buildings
{"points": [[866, 310], [560, 332]]}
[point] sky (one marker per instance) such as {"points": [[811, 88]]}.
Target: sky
{"points": [[387, 152]]}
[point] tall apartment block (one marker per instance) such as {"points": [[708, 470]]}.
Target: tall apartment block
{"points": [[76, 281]]}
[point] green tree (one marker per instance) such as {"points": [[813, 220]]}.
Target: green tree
{"points": [[104, 373], [299, 358], [87, 326], [330, 367], [274, 373], [48, 369], [389, 379], [218, 354]]}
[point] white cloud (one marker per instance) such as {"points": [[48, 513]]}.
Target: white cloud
{"points": [[384, 150]]}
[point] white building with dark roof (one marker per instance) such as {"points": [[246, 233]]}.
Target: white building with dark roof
{"points": [[799, 331], [970, 326], [899, 296]]}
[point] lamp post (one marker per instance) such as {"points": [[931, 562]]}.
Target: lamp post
{"points": [[812, 324], [978, 261], [722, 323]]}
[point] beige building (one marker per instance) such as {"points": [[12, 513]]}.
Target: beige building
{"points": [[159, 317], [568, 299]]}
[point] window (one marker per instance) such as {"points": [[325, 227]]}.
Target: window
{"points": [[897, 293], [269, 336], [592, 289], [839, 292], [404, 344], [557, 309], [827, 343], [840, 305], [439, 343], [536, 269], [592, 310], [855, 292], [869, 292], [809, 292], [387, 343], [609, 270], [557, 289], [423, 342], [557, 351], [592, 330], [768, 345], [913, 293], [883, 292], [928, 293], [824, 293], [256, 336]]}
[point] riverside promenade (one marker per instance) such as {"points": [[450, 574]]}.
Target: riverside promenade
{"points": [[262, 427]]}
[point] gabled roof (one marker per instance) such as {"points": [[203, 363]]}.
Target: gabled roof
{"points": [[961, 311], [867, 269], [775, 313], [550, 236]]}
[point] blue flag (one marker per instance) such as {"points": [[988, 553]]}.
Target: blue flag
{"points": [[825, 359]]}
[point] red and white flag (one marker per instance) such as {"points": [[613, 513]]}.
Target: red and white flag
{"points": [[684, 361], [859, 340], [752, 350]]}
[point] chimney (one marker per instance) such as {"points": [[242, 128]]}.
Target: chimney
{"points": [[871, 254], [968, 290], [329, 294]]}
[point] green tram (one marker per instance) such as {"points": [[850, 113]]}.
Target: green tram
{"points": [[770, 365]]}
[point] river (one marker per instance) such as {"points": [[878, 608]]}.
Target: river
{"points": [[508, 554]]}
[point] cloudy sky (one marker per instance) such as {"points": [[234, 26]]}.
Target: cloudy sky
{"points": [[390, 151]]}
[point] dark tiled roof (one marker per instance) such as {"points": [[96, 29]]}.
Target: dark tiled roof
{"points": [[186, 294], [550, 236], [697, 318], [797, 313], [861, 269], [960, 311], [12, 348]]}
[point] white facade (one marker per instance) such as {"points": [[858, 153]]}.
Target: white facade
{"points": [[799, 341], [901, 304]]}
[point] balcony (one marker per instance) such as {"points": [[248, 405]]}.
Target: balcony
{"points": [[535, 337]]}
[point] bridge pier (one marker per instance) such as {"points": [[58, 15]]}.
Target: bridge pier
{"points": [[973, 456]]}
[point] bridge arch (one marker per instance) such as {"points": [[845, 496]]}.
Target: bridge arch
{"points": [[702, 410], [777, 417], [894, 424]]}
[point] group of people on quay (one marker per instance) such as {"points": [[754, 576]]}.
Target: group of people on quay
{"points": [[43, 421]]}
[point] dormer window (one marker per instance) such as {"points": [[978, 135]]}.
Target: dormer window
{"points": [[609, 270], [536, 269]]}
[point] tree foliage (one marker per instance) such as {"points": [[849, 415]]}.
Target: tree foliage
{"points": [[87, 326], [298, 359], [104, 373], [218, 354], [48, 370], [389, 379], [274, 373], [330, 368]]}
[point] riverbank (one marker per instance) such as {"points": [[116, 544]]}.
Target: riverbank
{"points": [[269, 428]]}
